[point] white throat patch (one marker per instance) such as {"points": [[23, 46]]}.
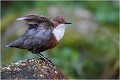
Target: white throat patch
{"points": [[59, 31]]}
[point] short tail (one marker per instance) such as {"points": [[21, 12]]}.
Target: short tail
{"points": [[7, 46]]}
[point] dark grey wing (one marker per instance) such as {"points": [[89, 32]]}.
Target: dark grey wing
{"points": [[32, 39], [39, 39], [29, 17], [34, 19]]}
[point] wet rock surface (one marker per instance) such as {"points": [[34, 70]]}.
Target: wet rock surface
{"points": [[31, 69]]}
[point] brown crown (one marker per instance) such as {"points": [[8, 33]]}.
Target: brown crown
{"points": [[59, 19]]}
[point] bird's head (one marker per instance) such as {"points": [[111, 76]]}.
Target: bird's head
{"points": [[60, 20]]}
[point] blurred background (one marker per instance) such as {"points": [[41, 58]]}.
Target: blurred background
{"points": [[90, 46]]}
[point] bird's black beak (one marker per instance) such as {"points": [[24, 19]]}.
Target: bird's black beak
{"points": [[67, 23]]}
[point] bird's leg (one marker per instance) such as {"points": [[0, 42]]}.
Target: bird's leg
{"points": [[40, 55], [46, 59]]}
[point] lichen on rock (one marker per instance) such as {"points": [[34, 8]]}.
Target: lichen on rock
{"points": [[31, 69]]}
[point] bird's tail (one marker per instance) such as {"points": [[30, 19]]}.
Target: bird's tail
{"points": [[9, 45], [6, 46]]}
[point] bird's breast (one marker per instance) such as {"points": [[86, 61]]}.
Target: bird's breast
{"points": [[59, 31]]}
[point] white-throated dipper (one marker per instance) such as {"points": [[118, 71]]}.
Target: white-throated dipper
{"points": [[42, 34]]}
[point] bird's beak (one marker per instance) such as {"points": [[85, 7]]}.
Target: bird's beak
{"points": [[67, 23]]}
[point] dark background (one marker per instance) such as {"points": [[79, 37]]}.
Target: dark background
{"points": [[90, 46]]}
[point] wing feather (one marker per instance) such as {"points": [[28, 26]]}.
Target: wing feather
{"points": [[32, 39], [29, 17], [35, 19]]}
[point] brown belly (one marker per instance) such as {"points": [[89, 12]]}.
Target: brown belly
{"points": [[48, 45]]}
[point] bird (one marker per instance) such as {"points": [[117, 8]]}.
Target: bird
{"points": [[43, 33]]}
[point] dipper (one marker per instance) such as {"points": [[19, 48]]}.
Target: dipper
{"points": [[42, 34]]}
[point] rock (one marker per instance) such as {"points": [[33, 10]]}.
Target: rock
{"points": [[31, 69]]}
